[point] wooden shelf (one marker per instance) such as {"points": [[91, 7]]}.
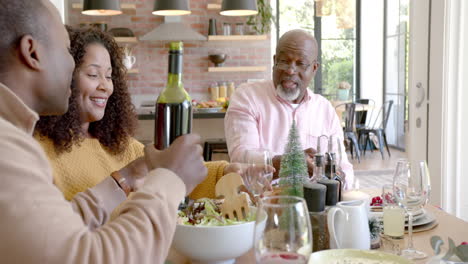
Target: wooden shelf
{"points": [[213, 7], [123, 6], [126, 39], [237, 69], [133, 71], [236, 37]]}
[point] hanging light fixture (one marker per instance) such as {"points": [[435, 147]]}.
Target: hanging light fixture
{"points": [[239, 8], [101, 7], [171, 8]]}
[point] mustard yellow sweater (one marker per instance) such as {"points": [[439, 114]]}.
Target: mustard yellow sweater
{"points": [[88, 163]]}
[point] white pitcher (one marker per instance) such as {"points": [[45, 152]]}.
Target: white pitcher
{"points": [[348, 225], [128, 61]]}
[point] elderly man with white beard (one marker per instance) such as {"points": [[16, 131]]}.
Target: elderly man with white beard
{"points": [[260, 114]]}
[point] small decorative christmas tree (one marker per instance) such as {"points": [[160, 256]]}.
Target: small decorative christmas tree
{"points": [[293, 170]]}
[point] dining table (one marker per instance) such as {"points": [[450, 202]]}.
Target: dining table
{"points": [[340, 109], [447, 225]]}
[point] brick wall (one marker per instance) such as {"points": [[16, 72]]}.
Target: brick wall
{"points": [[152, 55]]}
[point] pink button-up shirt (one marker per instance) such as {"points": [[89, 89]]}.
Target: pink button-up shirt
{"points": [[258, 118]]}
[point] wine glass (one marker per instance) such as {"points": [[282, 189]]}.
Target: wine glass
{"points": [[283, 233], [411, 187], [259, 172]]}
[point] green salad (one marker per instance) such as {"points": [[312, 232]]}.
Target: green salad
{"points": [[205, 212]]}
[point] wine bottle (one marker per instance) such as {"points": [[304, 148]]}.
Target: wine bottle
{"points": [[331, 165], [173, 115]]}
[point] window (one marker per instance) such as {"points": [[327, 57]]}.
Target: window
{"points": [[333, 23], [396, 35]]}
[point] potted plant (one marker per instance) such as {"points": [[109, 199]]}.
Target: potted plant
{"points": [[343, 91], [261, 23]]}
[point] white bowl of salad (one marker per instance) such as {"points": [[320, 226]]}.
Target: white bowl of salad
{"points": [[204, 236]]}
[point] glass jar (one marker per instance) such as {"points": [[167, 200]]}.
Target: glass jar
{"points": [[226, 29], [239, 29], [222, 90], [214, 90], [231, 88]]}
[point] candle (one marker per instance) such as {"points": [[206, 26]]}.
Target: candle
{"points": [[315, 194], [332, 191]]}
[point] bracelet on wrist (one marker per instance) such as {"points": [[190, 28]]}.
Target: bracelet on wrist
{"points": [[121, 182]]}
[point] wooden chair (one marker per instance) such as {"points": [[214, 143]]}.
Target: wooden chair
{"points": [[378, 129]]}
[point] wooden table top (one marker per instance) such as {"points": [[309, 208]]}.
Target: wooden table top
{"points": [[448, 226]]}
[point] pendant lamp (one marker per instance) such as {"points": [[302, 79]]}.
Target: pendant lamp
{"points": [[239, 8], [171, 8], [101, 7]]}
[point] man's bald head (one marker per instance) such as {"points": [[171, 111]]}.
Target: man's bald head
{"points": [[295, 64], [17, 19], [297, 36]]}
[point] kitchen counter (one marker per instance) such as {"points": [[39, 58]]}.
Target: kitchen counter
{"points": [[207, 125]]}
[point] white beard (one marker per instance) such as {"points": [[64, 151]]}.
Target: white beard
{"points": [[288, 96]]}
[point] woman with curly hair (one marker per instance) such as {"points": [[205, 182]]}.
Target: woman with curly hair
{"points": [[95, 137]]}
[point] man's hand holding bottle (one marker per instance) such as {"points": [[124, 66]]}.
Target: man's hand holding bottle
{"points": [[183, 157]]}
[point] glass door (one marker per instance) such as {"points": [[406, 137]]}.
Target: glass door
{"points": [[396, 34]]}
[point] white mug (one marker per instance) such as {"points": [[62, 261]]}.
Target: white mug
{"points": [[128, 61], [348, 225]]}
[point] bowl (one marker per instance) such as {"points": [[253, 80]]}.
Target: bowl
{"points": [[121, 32], [218, 59], [215, 244]]}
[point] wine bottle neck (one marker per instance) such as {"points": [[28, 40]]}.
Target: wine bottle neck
{"points": [[174, 80], [175, 62], [174, 77]]}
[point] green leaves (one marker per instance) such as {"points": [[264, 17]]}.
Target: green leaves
{"points": [[460, 251], [262, 21]]}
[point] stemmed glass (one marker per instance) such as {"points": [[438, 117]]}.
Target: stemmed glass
{"points": [[259, 172], [411, 187], [283, 233]]}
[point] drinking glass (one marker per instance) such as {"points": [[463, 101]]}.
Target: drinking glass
{"points": [[259, 172], [393, 214], [411, 186], [283, 233]]}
